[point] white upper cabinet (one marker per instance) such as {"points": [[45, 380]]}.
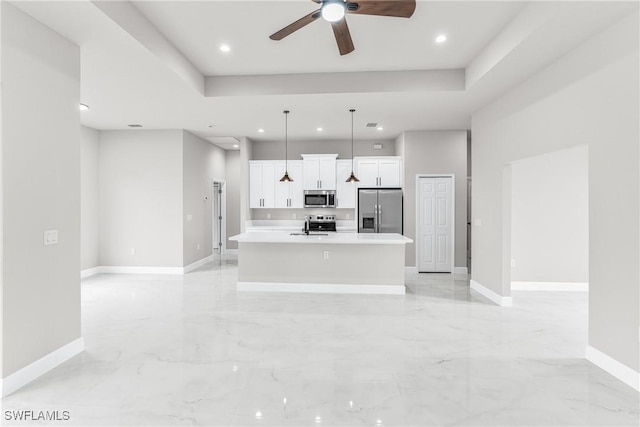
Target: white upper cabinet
{"points": [[289, 194], [379, 171], [345, 191], [262, 184], [319, 171]]}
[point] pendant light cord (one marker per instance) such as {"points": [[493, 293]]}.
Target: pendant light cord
{"points": [[352, 111], [286, 140]]}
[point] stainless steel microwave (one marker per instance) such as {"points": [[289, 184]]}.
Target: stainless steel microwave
{"points": [[319, 198]]}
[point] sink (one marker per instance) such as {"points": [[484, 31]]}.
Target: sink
{"points": [[310, 234]]}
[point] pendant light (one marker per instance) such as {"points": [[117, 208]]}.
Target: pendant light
{"points": [[352, 178], [286, 178]]}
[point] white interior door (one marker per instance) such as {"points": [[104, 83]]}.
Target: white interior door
{"points": [[436, 225]]}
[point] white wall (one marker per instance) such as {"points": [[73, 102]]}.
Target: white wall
{"points": [[140, 179], [435, 152], [590, 96], [202, 162], [274, 150], [550, 217], [232, 167], [89, 198], [40, 145]]}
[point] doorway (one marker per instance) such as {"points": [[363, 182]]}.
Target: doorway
{"points": [[218, 218], [435, 231]]}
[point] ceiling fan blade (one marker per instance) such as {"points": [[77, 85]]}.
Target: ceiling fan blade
{"points": [[343, 36], [395, 8], [305, 20]]}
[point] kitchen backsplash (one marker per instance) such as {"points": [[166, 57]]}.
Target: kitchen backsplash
{"points": [[340, 214]]}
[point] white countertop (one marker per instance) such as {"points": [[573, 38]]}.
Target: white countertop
{"points": [[266, 225], [330, 238]]}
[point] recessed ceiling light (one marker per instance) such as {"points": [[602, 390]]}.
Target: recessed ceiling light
{"points": [[235, 146], [84, 107], [225, 48], [319, 129], [441, 38], [261, 130], [380, 128]]}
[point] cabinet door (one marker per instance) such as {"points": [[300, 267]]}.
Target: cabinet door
{"points": [[255, 185], [282, 188], [269, 184], [389, 172], [311, 174], [345, 191], [296, 189], [327, 175], [367, 172]]}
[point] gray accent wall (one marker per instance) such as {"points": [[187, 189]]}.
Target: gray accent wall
{"points": [[141, 185], [40, 151], [89, 198], [589, 96], [275, 150], [202, 163], [233, 195], [435, 152]]}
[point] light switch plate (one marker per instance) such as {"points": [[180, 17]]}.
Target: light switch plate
{"points": [[50, 237], [477, 222], [189, 217]]}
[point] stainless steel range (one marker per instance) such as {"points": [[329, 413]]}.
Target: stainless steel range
{"points": [[316, 223]]}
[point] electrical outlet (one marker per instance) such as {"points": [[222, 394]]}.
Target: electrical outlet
{"points": [[268, 216], [513, 263], [50, 237], [348, 216], [198, 246], [294, 216], [325, 254], [133, 251]]}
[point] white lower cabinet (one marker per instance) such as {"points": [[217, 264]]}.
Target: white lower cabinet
{"points": [[289, 194], [345, 191]]}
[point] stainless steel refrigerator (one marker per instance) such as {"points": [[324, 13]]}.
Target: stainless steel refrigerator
{"points": [[380, 210]]}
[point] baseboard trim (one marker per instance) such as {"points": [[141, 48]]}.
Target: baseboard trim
{"points": [[460, 270], [41, 366], [89, 272], [411, 270], [550, 286], [195, 265], [612, 366], [491, 295], [321, 288], [140, 270]]}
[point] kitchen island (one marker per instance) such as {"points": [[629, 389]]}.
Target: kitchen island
{"points": [[333, 262]]}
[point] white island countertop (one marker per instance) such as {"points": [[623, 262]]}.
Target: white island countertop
{"points": [[328, 238]]}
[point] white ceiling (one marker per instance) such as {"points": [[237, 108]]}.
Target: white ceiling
{"points": [[128, 77], [382, 43]]}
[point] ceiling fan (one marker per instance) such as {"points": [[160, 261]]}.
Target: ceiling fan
{"points": [[334, 12]]}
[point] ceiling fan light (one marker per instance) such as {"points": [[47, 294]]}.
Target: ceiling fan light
{"points": [[333, 11]]}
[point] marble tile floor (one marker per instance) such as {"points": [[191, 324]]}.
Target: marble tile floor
{"points": [[190, 350]]}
